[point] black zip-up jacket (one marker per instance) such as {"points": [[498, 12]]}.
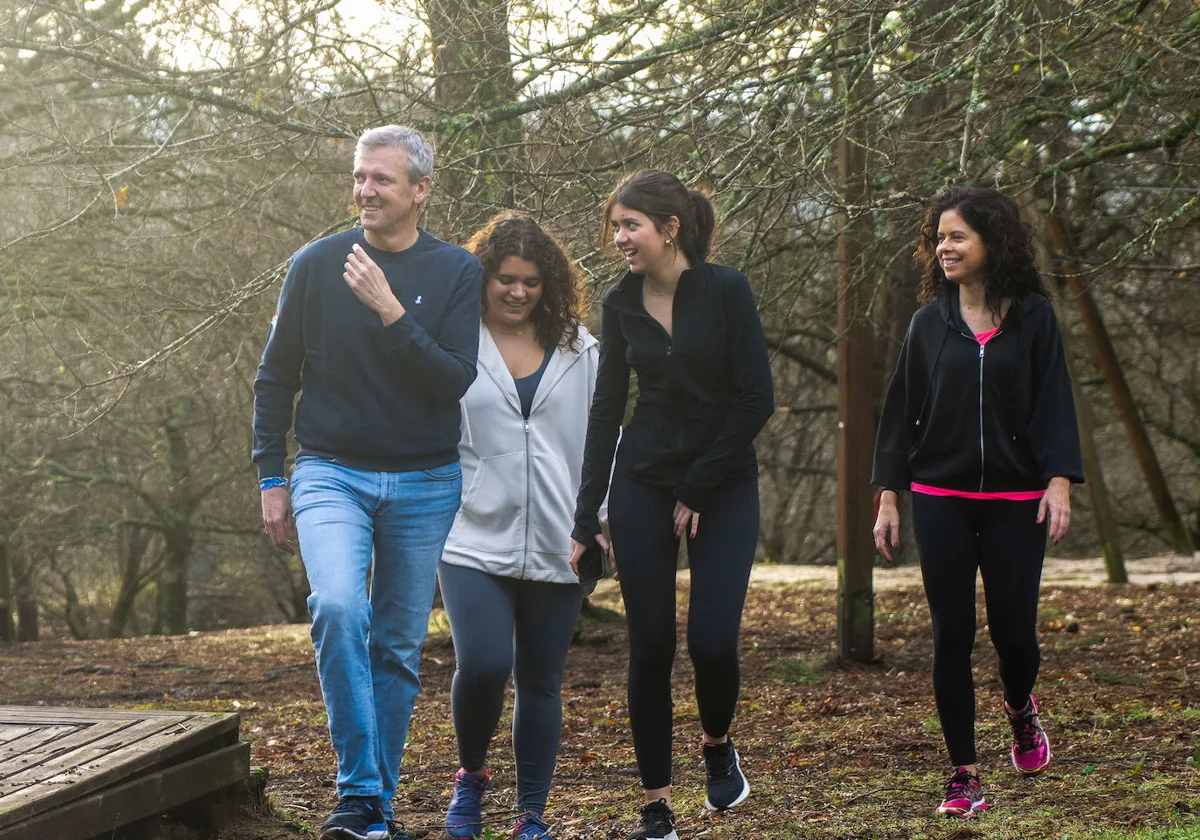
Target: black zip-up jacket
{"points": [[985, 418], [703, 394]]}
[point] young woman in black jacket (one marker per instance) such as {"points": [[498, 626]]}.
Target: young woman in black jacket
{"points": [[979, 425], [685, 469]]}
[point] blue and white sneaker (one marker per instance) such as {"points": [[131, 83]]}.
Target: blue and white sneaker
{"points": [[530, 826], [355, 818], [464, 817]]}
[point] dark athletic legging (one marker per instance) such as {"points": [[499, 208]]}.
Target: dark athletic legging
{"points": [[505, 626], [640, 516], [1002, 539]]}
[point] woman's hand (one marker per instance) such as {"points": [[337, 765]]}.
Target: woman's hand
{"points": [[687, 521], [577, 550], [887, 525], [1056, 503], [610, 559]]}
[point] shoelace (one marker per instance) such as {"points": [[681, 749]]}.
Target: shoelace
{"points": [[351, 805], [1025, 729], [958, 784], [532, 820], [721, 764], [658, 810]]}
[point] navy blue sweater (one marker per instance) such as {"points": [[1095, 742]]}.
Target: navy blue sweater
{"points": [[373, 397]]}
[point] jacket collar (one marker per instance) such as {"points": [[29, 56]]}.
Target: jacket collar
{"points": [[626, 294], [950, 311], [492, 363]]}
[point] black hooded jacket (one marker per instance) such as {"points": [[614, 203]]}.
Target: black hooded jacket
{"points": [[703, 393], [991, 418]]}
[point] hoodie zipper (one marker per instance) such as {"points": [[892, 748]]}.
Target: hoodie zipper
{"points": [[982, 453], [982, 458], [528, 469]]}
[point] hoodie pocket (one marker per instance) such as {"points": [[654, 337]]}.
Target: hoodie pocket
{"points": [[492, 517], [551, 505]]}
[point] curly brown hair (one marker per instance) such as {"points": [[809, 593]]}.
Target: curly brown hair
{"points": [[1009, 269], [560, 309]]}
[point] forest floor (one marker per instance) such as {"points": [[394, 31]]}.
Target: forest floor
{"points": [[831, 751]]}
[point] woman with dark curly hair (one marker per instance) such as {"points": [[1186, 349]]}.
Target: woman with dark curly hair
{"points": [[510, 591], [979, 425]]}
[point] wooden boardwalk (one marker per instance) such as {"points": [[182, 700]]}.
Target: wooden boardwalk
{"points": [[77, 773]]}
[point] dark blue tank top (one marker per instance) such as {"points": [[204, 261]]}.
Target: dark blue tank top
{"points": [[527, 385]]}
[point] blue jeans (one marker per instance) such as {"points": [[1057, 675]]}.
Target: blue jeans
{"points": [[368, 643]]}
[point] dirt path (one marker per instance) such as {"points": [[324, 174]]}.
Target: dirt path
{"points": [[1166, 568]]}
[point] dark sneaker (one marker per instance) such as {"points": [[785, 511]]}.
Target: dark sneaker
{"points": [[397, 832], [727, 785], [658, 823], [1031, 747], [530, 826], [464, 817], [964, 795], [355, 818]]}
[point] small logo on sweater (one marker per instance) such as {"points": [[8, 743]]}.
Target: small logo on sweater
{"points": [[418, 300]]}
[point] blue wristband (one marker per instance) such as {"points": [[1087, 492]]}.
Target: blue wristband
{"points": [[274, 481]]}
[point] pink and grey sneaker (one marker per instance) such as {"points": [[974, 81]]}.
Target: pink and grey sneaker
{"points": [[964, 795], [1031, 747]]}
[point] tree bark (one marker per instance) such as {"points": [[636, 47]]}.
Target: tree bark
{"points": [[1063, 239], [7, 628], [133, 548], [855, 367], [171, 602], [25, 598], [472, 60], [1093, 469]]}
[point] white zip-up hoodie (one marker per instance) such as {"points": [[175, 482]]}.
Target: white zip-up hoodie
{"points": [[521, 477]]}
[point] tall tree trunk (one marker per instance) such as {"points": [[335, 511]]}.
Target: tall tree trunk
{"points": [[1093, 469], [76, 623], [171, 601], [133, 544], [856, 365], [1063, 239], [921, 123], [473, 67], [25, 598], [7, 629]]}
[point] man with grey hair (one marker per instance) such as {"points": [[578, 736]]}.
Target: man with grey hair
{"points": [[378, 328]]}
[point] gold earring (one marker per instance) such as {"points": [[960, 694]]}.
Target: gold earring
{"points": [[669, 241]]}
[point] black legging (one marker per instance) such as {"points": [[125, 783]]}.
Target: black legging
{"points": [[720, 557], [1002, 539]]}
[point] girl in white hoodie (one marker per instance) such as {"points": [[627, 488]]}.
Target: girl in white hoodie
{"points": [[510, 592]]}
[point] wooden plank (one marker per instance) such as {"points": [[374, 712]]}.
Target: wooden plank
{"points": [[10, 731], [58, 714], [126, 803], [15, 759], [39, 736], [75, 759], [144, 746], [21, 752]]}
